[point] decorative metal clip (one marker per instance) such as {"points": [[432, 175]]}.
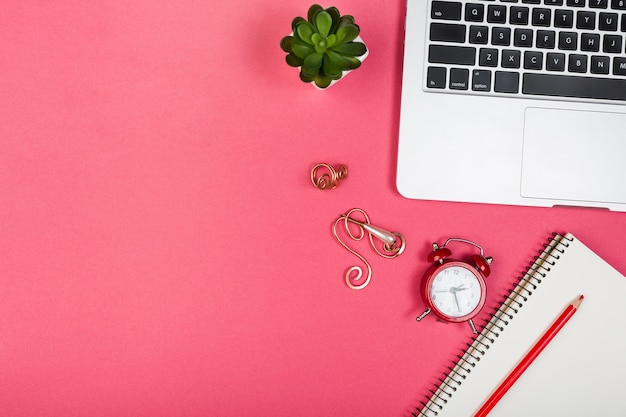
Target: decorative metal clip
{"points": [[393, 245], [330, 179]]}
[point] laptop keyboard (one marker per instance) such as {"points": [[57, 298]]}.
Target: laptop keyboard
{"points": [[524, 48]]}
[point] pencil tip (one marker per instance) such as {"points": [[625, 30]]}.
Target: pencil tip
{"points": [[578, 301]]}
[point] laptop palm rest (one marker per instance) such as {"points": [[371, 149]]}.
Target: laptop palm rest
{"points": [[574, 155]]}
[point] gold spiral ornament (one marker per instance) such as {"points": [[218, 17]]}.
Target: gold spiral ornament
{"points": [[326, 177], [393, 244]]}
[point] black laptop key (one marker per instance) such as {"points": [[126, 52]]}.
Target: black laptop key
{"points": [[501, 36], [436, 77], [600, 64], [474, 12], [585, 20], [573, 86], [446, 10], [577, 63], [496, 14], [478, 34], [598, 4], [608, 21], [555, 61], [481, 80], [546, 39], [533, 60], [563, 18], [523, 37], [612, 44], [619, 66], [541, 16], [618, 4], [488, 57], [568, 41], [511, 58], [458, 55], [445, 32], [519, 15], [506, 82], [459, 79], [590, 42]]}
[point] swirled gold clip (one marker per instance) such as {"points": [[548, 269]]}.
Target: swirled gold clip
{"points": [[330, 179], [393, 245]]}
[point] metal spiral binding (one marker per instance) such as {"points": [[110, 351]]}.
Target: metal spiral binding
{"points": [[529, 281]]}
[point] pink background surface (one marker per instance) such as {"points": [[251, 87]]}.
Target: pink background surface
{"points": [[162, 250]]}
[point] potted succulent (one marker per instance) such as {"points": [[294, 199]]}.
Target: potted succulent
{"points": [[325, 46]]}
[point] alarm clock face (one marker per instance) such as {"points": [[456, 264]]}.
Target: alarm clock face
{"points": [[456, 291]]}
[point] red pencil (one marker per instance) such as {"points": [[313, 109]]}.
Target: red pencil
{"points": [[529, 358]]}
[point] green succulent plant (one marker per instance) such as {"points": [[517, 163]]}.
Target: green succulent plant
{"points": [[323, 46]]}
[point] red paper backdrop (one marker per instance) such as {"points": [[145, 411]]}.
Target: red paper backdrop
{"points": [[162, 250]]}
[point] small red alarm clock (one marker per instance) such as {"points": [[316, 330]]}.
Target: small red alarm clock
{"points": [[454, 289]]}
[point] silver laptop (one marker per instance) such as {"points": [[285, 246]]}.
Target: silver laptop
{"points": [[515, 102]]}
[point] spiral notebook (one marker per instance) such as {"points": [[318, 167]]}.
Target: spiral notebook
{"points": [[580, 373]]}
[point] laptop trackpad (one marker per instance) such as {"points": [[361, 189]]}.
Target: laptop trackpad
{"points": [[574, 155]]}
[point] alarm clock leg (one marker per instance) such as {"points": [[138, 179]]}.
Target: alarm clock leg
{"points": [[424, 314], [471, 323]]}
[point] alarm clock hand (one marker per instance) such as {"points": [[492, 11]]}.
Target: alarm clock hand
{"points": [[454, 290], [456, 300]]}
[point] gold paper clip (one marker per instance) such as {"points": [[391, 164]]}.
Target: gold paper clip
{"points": [[330, 179], [393, 245]]}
